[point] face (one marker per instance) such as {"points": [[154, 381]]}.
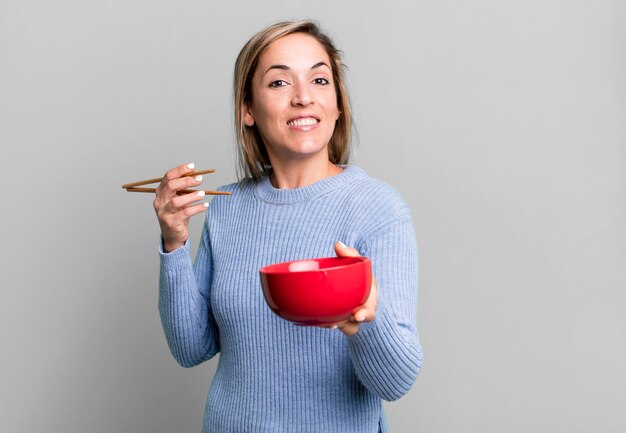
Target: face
{"points": [[294, 103]]}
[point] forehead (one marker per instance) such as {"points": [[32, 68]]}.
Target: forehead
{"points": [[295, 50]]}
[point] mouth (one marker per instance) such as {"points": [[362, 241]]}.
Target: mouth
{"points": [[303, 121]]}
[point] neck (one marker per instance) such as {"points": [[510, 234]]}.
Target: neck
{"points": [[301, 174]]}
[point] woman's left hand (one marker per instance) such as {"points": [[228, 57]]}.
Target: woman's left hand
{"points": [[365, 313]]}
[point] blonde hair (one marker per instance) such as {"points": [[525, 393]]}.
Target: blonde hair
{"points": [[253, 157]]}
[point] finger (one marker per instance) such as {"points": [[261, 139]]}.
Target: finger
{"points": [[349, 328], [189, 211], [172, 187], [174, 179], [170, 212], [185, 200], [345, 251], [168, 201], [371, 303], [335, 326], [365, 314], [181, 170], [367, 311]]}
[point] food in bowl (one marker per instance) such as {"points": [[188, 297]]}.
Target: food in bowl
{"points": [[321, 291]]}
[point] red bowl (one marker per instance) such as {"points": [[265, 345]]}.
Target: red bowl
{"points": [[319, 291]]}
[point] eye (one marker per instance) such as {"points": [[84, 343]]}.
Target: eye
{"points": [[278, 83], [322, 81]]}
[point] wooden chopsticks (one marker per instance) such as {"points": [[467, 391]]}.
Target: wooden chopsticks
{"points": [[132, 187]]}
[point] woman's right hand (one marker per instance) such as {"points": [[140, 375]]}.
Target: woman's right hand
{"points": [[174, 210]]}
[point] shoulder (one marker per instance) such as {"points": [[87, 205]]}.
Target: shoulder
{"points": [[240, 193], [379, 197], [373, 207], [242, 186]]}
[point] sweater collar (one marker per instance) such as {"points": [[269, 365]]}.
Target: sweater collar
{"points": [[266, 191]]}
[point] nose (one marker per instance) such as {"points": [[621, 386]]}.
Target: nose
{"points": [[301, 95]]}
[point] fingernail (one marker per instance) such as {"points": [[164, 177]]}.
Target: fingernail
{"points": [[201, 193], [334, 327], [359, 318], [342, 244], [191, 166], [198, 178], [205, 204]]}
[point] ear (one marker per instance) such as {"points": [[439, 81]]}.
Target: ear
{"points": [[248, 118]]}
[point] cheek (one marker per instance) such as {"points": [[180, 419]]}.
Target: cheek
{"points": [[267, 112], [332, 106]]}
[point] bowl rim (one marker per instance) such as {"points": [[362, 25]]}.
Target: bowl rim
{"points": [[266, 270]]}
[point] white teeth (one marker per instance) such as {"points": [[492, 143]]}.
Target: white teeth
{"points": [[303, 121]]}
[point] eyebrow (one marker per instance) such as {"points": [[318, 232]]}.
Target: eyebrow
{"points": [[286, 68]]}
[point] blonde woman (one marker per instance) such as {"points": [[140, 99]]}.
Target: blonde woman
{"points": [[298, 198]]}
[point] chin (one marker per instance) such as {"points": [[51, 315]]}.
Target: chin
{"points": [[306, 147], [310, 150]]}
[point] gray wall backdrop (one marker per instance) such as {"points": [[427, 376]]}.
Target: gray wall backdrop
{"points": [[501, 122]]}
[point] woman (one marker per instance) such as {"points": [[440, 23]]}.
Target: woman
{"points": [[299, 199]]}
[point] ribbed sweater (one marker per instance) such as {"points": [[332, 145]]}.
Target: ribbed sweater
{"points": [[274, 376]]}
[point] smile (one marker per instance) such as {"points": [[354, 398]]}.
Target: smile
{"points": [[303, 121]]}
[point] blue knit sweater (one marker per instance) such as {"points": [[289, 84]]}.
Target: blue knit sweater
{"points": [[274, 376]]}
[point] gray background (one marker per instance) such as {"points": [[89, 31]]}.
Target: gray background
{"points": [[501, 122]]}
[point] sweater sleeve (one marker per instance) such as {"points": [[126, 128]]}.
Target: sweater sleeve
{"points": [[386, 353], [184, 303]]}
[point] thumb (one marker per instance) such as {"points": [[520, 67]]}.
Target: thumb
{"points": [[342, 250]]}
